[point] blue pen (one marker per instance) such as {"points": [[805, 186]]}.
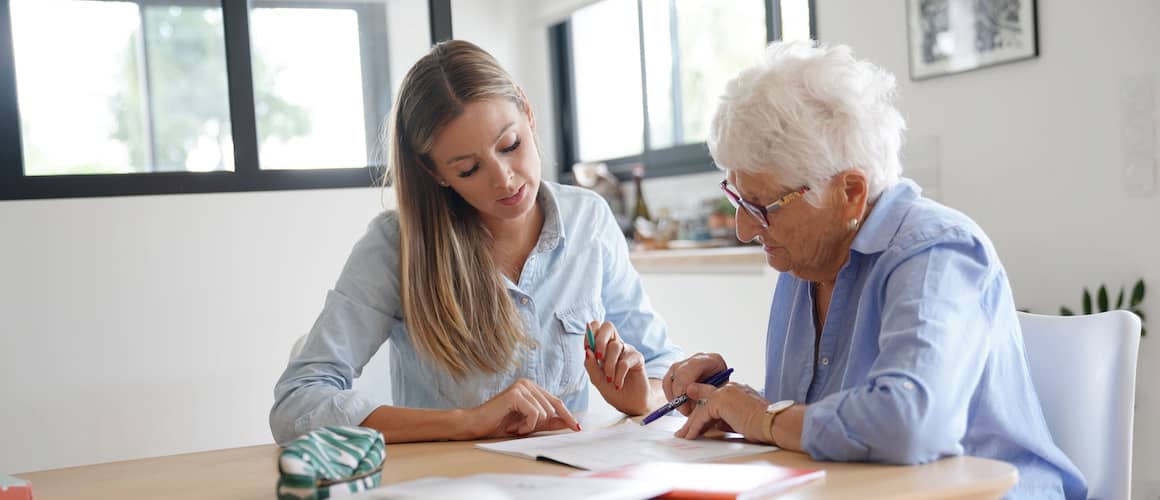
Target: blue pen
{"points": [[716, 380]]}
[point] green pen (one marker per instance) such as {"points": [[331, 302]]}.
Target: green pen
{"points": [[591, 341]]}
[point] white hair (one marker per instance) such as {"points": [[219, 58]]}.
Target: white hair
{"points": [[805, 113]]}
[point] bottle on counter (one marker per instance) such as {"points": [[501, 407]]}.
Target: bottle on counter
{"points": [[641, 209]]}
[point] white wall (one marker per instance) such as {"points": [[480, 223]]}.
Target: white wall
{"points": [[143, 326], [153, 325]]}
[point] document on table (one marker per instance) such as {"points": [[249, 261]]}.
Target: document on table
{"points": [[624, 444], [518, 487]]}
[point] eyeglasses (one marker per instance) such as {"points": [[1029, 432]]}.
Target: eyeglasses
{"points": [[757, 211]]}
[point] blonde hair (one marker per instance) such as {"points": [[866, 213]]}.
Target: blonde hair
{"points": [[455, 304], [806, 113]]}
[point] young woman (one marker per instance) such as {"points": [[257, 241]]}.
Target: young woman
{"points": [[484, 280]]}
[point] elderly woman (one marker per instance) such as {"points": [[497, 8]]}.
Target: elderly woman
{"points": [[893, 336]]}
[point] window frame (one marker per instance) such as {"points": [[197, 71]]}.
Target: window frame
{"points": [[247, 174], [681, 159]]}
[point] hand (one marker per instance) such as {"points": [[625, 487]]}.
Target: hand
{"points": [[692, 370], [733, 406], [522, 408], [617, 370]]}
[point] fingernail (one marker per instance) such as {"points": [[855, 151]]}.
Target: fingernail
{"points": [[618, 387], [609, 379], [598, 356], [578, 429]]}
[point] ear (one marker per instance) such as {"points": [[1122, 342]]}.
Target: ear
{"points": [[853, 190], [527, 108]]}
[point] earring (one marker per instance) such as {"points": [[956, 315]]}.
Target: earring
{"points": [[853, 224], [443, 183]]}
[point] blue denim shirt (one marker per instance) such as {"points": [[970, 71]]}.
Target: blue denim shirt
{"points": [[579, 271], [921, 356]]}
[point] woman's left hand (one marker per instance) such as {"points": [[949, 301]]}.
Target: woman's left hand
{"points": [[733, 406], [617, 370]]}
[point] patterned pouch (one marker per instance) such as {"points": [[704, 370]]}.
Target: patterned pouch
{"points": [[331, 462]]}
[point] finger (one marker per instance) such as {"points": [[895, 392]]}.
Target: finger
{"points": [[543, 399], [699, 391], [563, 414], [695, 392], [592, 367], [629, 359], [667, 381], [603, 333], [612, 351], [531, 412], [697, 423]]}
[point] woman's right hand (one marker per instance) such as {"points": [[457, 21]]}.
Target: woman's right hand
{"points": [[522, 408], [692, 370]]}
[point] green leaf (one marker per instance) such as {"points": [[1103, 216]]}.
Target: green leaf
{"points": [[1137, 294], [1102, 298], [1139, 313], [1087, 301], [1064, 311], [1120, 299]]}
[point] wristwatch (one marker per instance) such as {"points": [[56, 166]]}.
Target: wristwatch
{"points": [[771, 412]]}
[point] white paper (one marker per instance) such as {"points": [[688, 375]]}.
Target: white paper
{"points": [[517, 487], [625, 444]]}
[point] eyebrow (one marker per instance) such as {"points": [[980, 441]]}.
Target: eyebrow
{"points": [[497, 136]]}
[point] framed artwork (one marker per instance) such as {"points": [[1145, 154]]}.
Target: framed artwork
{"points": [[953, 36]]}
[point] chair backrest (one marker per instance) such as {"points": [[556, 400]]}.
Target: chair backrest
{"points": [[375, 379], [1084, 371]]}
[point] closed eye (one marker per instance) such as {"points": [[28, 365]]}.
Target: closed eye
{"points": [[513, 147], [469, 171]]}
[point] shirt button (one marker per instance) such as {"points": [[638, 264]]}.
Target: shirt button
{"points": [[908, 386], [524, 300], [825, 361]]}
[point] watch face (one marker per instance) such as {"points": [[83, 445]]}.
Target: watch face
{"points": [[779, 406]]}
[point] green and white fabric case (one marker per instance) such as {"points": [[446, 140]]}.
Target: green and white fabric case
{"points": [[331, 462]]}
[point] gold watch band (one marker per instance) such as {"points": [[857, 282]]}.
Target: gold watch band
{"points": [[767, 427], [771, 413]]}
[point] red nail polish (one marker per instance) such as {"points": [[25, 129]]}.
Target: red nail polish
{"points": [[578, 428], [618, 387], [598, 356], [609, 379]]}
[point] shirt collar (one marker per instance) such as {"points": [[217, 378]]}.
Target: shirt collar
{"points": [[553, 231], [885, 218]]}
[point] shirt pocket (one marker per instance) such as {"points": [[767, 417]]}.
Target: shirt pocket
{"points": [[572, 337]]}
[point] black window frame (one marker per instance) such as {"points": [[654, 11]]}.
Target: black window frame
{"points": [[247, 174], [681, 159]]}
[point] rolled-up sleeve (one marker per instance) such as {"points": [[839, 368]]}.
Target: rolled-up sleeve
{"points": [[627, 305], [913, 406], [358, 316]]}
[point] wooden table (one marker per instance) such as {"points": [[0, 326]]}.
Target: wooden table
{"points": [[251, 472]]}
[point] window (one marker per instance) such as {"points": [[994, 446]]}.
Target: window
{"points": [[637, 80], [118, 97]]}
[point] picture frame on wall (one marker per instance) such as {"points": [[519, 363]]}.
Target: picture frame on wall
{"points": [[953, 36]]}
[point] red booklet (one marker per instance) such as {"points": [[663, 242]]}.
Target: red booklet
{"points": [[710, 480]]}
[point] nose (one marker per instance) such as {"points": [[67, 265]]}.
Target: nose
{"points": [[747, 227], [503, 175]]}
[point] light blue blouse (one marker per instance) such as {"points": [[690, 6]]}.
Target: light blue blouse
{"points": [[921, 355], [579, 271]]}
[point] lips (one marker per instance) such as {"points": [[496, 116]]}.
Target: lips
{"points": [[515, 198]]}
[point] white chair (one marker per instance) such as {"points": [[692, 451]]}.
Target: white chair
{"points": [[375, 379], [1084, 370]]}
